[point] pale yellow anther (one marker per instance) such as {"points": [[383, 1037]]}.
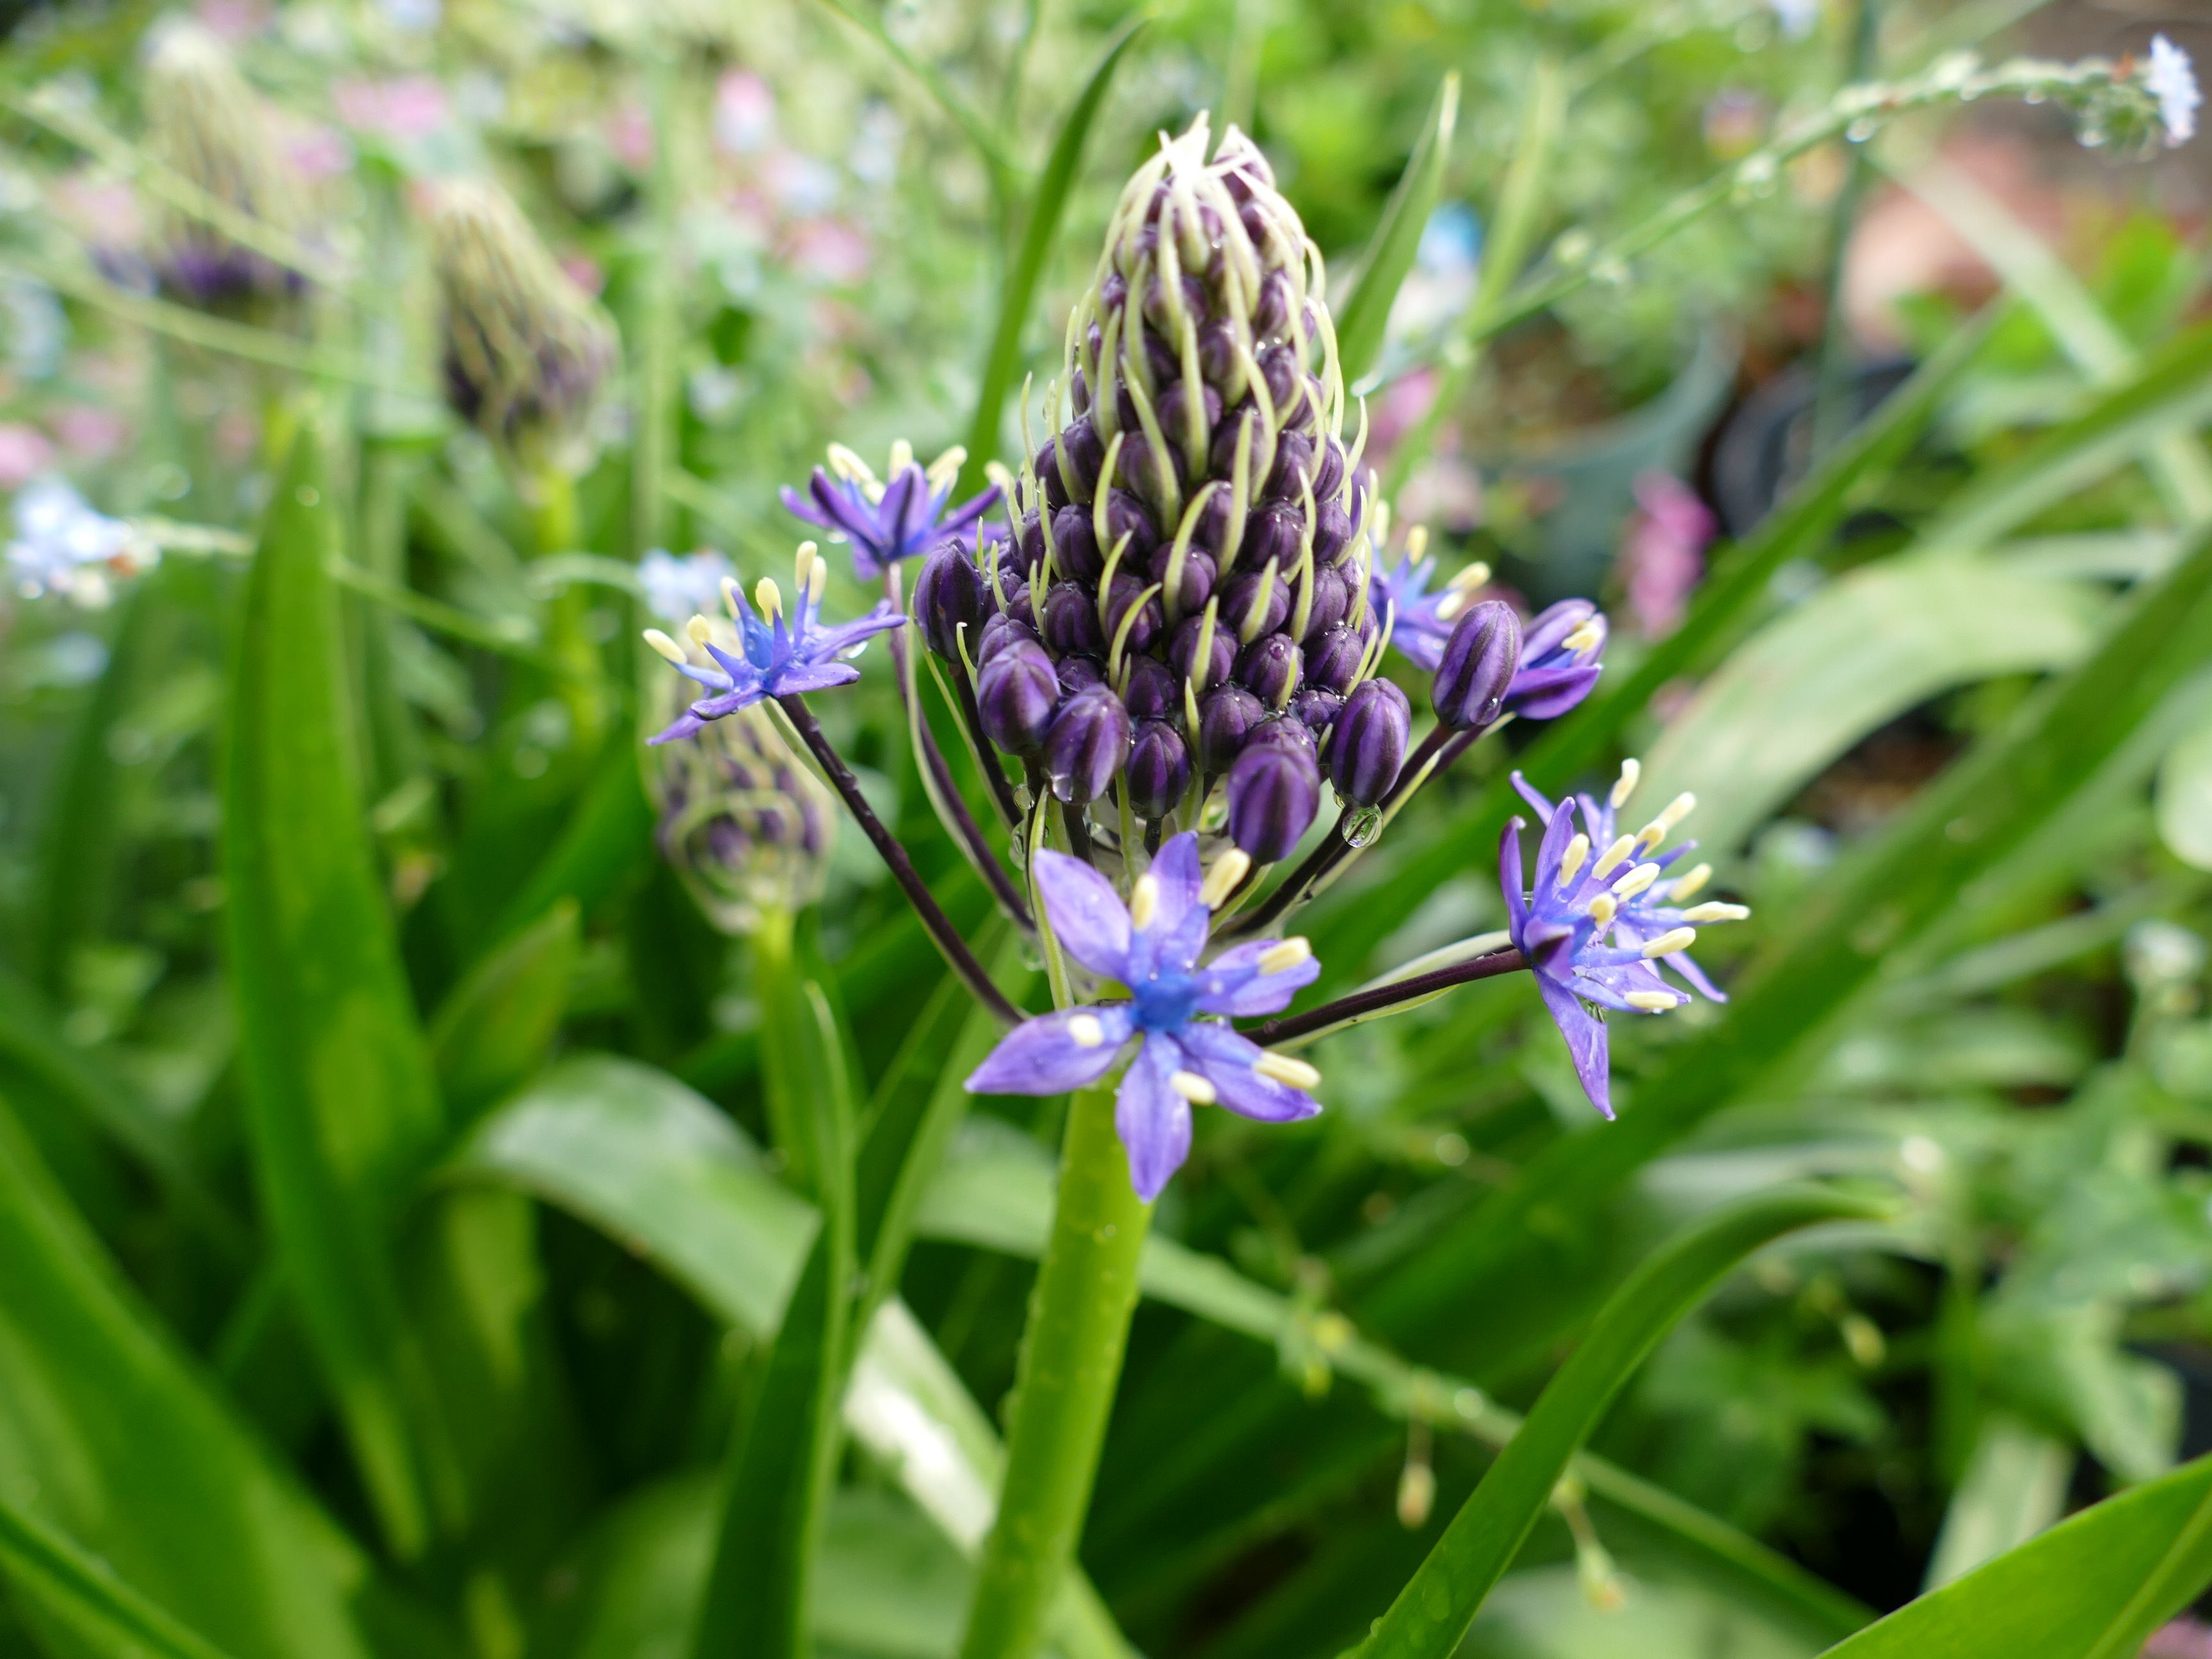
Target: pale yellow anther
{"points": [[1194, 1088], [1691, 884], [1613, 857], [848, 466], [1449, 606], [1649, 837], [1144, 902], [1281, 958], [1673, 939], [1417, 542], [817, 578], [1715, 910], [733, 597], [1603, 909], [902, 456], [1631, 769], [1652, 1002], [700, 630], [1471, 577], [1085, 1031], [946, 467], [1285, 1068], [997, 473], [666, 647], [1676, 809], [1572, 861], [1227, 874], [1635, 881], [1585, 639], [767, 598]]}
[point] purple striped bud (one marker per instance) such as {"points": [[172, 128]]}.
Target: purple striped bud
{"points": [[1078, 674], [1241, 606], [1476, 667], [1275, 792], [1075, 545], [1331, 601], [1282, 732], [1015, 693], [1284, 376], [1218, 359], [1153, 692], [1159, 770], [1182, 651], [1195, 584], [948, 596], [1367, 744], [1173, 405], [1274, 534], [1032, 554], [1089, 741], [1149, 623], [1334, 529], [1069, 621], [1225, 719], [1316, 710], [1293, 471], [1270, 669], [1125, 516], [1332, 660], [1271, 318], [1329, 478], [1010, 627]]}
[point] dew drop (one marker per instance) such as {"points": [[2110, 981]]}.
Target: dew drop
{"points": [[1361, 827]]}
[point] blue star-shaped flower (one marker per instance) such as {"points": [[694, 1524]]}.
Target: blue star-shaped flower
{"points": [[1593, 930], [1421, 621], [887, 520], [1559, 661], [1152, 947], [779, 655]]}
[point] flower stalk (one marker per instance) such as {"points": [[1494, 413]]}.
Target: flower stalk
{"points": [[1071, 1362]]}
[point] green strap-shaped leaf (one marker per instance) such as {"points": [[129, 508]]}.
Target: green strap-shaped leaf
{"points": [[110, 1441], [81, 1592], [1434, 1610], [1361, 320], [2092, 1588], [343, 1106], [1048, 203], [783, 1463], [498, 1025]]}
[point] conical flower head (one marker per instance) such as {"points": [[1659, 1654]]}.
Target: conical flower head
{"points": [[526, 349], [745, 825], [1191, 527], [207, 125]]}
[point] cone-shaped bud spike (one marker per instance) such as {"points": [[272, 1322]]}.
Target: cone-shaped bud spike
{"points": [[745, 825], [1476, 670]]}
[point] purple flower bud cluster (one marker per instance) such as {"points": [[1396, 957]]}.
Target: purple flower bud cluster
{"points": [[1184, 601], [741, 821]]}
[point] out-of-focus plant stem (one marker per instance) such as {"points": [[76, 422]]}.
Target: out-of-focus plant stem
{"points": [[1512, 230], [1071, 1361], [567, 632], [1833, 391]]}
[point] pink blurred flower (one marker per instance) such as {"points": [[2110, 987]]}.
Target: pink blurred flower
{"points": [[1664, 554], [89, 434], [829, 251], [103, 211], [745, 113], [1445, 491], [2184, 1639], [406, 107], [629, 134], [24, 453], [237, 436], [318, 153], [234, 20], [585, 272], [1399, 409], [1735, 122]]}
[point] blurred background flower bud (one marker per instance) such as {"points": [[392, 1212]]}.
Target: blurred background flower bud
{"points": [[527, 350], [745, 825]]}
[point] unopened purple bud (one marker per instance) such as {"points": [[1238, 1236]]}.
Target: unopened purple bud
{"points": [[1133, 467], [1212, 531], [1286, 379], [1476, 667], [1274, 792], [1172, 416], [1241, 599], [1146, 627], [1224, 720], [1332, 660], [1156, 302], [1015, 693], [1153, 692], [1125, 516], [1010, 627], [1272, 316], [1282, 732], [1182, 650], [1069, 621], [1270, 669], [948, 596], [1273, 534], [1334, 529], [1293, 469], [1088, 741], [1075, 544], [1367, 745], [1078, 674], [1112, 293], [1159, 770], [1217, 358], [1316, 710], [1030, 552], [1196, 584], [1329, 478], [1332, 598]]}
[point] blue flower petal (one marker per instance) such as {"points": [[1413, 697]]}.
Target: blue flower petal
{"points": [[1225, 1060], [1152, 1119], [1042, 1056], [1086, 914]]}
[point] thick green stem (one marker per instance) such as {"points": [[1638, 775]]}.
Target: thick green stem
{"points": [[567, 624], [1078, 1325]]}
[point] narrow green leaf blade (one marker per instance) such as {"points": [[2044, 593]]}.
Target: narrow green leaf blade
{"points": [[2092, 1588], [1434, 1610], [498, 1025], [1361, 320], [62, 1575], [110, 1436], [343, 1106], [759, 1597], [1047, 205]]}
